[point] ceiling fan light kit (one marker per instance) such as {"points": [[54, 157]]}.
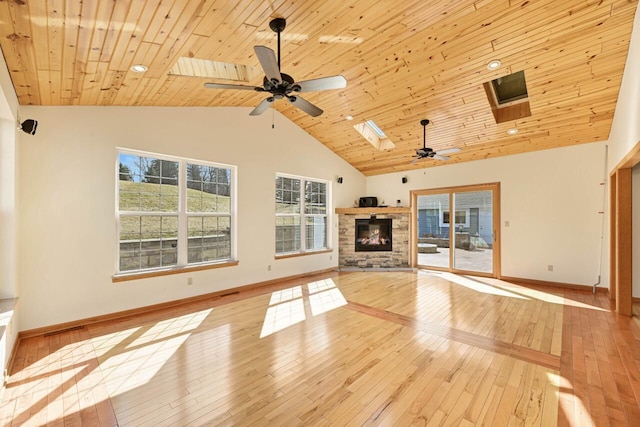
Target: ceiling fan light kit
{"points": [[281, 85]]}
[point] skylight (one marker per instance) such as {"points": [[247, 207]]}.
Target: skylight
{"points": [[510, 88], [376, 136], [375, 128], [508, 97], [194, 67]]}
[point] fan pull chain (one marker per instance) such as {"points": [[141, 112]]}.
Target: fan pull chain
{"points": [[273, 117]]}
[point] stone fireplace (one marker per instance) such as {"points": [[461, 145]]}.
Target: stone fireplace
{"points": [[374, 237]]}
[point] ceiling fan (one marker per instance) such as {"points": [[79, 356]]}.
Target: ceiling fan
{"points": [[281, 85], [428, 153]]}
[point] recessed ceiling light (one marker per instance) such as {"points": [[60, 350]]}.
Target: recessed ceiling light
{"points": [[139, 68], [512, 131], [348, 117], [493, 65]]}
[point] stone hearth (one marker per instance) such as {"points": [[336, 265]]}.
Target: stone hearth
{"points": [[398, 258]]}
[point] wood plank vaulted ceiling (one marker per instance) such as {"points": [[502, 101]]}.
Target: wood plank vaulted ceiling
{"points": [[403, 60]]}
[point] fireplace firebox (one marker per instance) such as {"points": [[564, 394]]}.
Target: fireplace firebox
{"points": [[373, 235]]}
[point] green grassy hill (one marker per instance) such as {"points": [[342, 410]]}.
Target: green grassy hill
{"points": [[149, 197]]}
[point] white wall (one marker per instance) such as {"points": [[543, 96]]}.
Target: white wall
{"points": [[8, 184], [625, 134], [551, 199], [625, 129], [8, 216], [67, 196], [8, 159]]}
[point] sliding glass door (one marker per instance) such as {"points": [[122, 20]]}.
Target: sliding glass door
{"points": [[433, 230], [456, 229]]}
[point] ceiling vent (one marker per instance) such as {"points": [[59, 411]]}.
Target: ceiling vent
{"points": [[508, 97]]}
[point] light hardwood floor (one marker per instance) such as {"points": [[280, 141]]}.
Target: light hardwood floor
{"points": [[387, 348]]}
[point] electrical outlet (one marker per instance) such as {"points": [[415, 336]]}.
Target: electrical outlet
{"points": [[269, 267], [506, 223], [189, 281], [330, 257], [549, 267]]}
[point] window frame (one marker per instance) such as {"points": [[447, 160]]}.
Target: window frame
{"points": [[183, 215], [457, 211], [303, 216]]}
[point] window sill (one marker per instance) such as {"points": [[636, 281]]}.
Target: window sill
{"points": [[144, 275], [298, 254]]}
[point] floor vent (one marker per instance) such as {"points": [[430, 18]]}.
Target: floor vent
{"points": [[61, 331]]}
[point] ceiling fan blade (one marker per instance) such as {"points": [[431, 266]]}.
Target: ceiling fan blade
{"points": [[414, 160], [448, 150], [226, 86], [269, 63], [439, 157], [323, 83], [261, 108], [305, 106]]}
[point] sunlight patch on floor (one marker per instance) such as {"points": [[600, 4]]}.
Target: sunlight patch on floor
{"points": [[132, 369], [283, 295], [286, 306], [502, 288], [104, 343], [72, 378], [171, 327], [321, 285], [479, 286], [539, 295], [132, 359], [282, 315], [326, 297], [569, 403]]}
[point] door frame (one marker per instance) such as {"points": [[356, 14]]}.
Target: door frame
{"points": [[620, 232], [413, 239]]}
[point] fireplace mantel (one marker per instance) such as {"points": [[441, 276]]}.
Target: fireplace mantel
{"points": [[369, 211]]}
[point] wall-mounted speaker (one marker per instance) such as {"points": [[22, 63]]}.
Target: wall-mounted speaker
{"points": [[29, 126]]}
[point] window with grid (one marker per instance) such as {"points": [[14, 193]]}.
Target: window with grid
{"points": [[301, 215], [172, 212]]}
